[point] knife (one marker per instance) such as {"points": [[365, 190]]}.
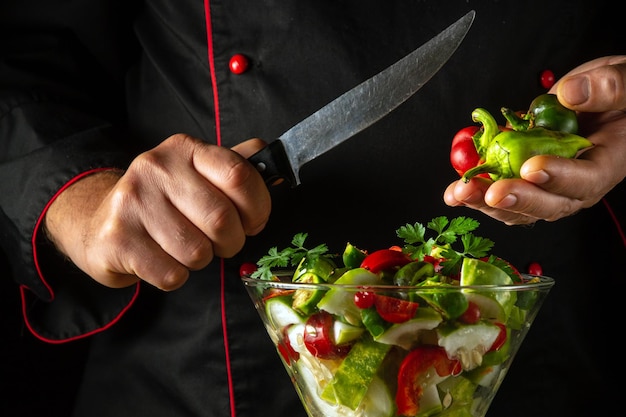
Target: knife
{"points": [[358, 108]]}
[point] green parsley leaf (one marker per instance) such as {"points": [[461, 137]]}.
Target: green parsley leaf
{"points": [[290, 256], [447, 232]]}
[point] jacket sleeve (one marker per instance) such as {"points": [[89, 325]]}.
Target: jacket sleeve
{"points": [[61, 117]]}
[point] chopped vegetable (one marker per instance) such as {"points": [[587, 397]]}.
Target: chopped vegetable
{"points": [[401, 331]]}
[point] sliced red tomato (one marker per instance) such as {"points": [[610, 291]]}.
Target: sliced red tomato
{"points": [[287, 351], [318, 337], [277, 292], [385, 259], [413, 375], [435, 261], [395, 310]]}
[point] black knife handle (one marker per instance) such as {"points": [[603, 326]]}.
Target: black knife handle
{"points": [[273, 164]]}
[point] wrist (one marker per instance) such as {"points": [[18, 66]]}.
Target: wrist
{"points": [[69, 216]]}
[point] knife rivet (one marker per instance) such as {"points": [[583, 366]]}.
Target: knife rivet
{"points": [[238, 64]]}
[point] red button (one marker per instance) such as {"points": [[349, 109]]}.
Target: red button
{"points": [[239, 64]]}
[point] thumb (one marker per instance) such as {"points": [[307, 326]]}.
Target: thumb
{"points": [[597, 89]]}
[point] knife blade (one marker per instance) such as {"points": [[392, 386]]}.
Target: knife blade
{"points": [[358, 108]]}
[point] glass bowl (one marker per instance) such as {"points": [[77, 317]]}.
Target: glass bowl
{"points": [[386, 350]]}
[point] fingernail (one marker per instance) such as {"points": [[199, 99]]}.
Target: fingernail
{"points": [[575, 90], [536, 177], [507, 201]]}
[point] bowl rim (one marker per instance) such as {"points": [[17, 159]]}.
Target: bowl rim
{"points": [[544, 283]]}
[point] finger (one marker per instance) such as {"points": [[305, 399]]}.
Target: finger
{"points": [[449, 196], [472, 195], [181, 239], [586, 178], [597, 89], [239, 182], [122, 252], [528, 203], [152, 264], [201, 216]]}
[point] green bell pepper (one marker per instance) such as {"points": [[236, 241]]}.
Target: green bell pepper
{"points": [[504, 152], [545, 111]]}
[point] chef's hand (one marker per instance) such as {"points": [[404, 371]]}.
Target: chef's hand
{"points": [[177, 207], [552, 188]]}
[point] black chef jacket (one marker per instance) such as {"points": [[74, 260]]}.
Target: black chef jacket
{"points": [[87, 85]]}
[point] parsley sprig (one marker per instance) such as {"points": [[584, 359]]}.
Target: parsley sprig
{"points": [[447, 232], [417, 244], [290, 256]]}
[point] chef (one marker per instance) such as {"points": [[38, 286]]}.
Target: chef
{"points": [[127, 205]]}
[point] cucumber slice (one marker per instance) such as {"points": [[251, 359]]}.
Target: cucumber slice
{"points": [[407, 334], [310, 387], [468, 343], [345, 333], [490, 309], [451, 303], [430, 403], [477, 272], [484, 375], [355, 374], [414, 273], [378, 401], [457, 397], [341, 302], [321, 266], [280, 313]]}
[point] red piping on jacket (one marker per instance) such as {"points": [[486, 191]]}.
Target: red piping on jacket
{"points": [[218, 136], [618, 226], [24, 288]]}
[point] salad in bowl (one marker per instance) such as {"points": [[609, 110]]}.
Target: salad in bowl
{"points": [[428, 328]]}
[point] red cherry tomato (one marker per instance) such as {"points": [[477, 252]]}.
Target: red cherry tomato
{"points": [[395, 310], [364, 299], [463, 154], [247, 268], [413, 376], [547, 79], [534, 268], [471, 314], [318, 337], [384, 259]]}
